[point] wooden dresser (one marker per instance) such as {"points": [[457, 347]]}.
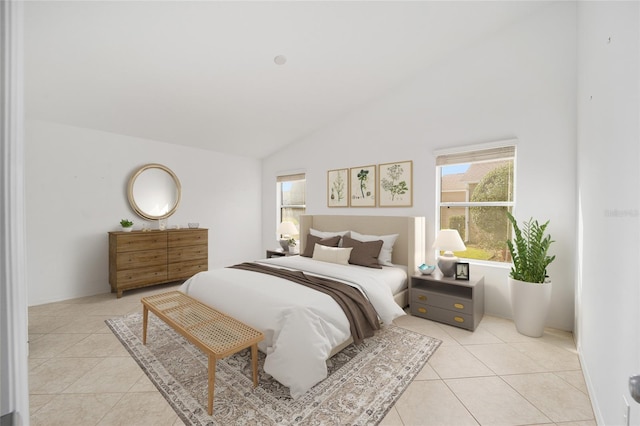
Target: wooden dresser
{"points": [[141, 259]]}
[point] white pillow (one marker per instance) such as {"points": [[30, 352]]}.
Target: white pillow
{"points": [[332, 254], [384, 258], [328, 234]]}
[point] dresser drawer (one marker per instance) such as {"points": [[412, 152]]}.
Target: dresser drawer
{"points": [[137, 241], [440, 300], [141, 259], [180, 254], [446, 316], [139, 276], [188, 238], [186, 269]]}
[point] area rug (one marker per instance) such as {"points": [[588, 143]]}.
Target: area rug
{"points": [[364, 380]]}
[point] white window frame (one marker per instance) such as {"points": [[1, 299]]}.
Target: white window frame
{"points": [[279, 206], [468, 154]]}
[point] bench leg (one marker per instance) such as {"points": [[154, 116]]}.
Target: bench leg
{"points": [[212, 382], [145, 317], [254, 362]]}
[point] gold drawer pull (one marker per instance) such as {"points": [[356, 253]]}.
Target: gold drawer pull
{"points": [[458, 305], [422, 297], [458, 319], [422, 310]]}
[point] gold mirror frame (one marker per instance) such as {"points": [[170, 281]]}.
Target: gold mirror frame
{"points": [[136, 205]]}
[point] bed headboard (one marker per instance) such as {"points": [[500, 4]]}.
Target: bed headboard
{"points": [[409, 248]]}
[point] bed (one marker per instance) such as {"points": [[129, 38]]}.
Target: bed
{"points": [[303, 327]]}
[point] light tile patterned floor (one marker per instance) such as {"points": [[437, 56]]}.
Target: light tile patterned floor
{"points": [[80, 374]]}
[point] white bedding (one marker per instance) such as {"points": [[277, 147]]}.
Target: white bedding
{"points": [[301, 326]]}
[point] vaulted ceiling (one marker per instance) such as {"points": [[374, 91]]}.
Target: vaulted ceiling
{"points": [[204, 74]]}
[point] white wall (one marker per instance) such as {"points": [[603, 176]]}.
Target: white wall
{"points": [[608, 290], [520, 83], [76, 186]]}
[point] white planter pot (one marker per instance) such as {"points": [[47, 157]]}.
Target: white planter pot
{"points": [[530, 305], [127, 229]]}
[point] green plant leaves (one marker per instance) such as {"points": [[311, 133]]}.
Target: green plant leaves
{"points": [[528, 250]]}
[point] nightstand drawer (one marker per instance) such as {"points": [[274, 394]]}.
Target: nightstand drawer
{"points": [[442, 301], [446, 316]]}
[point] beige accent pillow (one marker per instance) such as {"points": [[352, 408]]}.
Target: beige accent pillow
{"points": [[332, 254], [312, 240], [363, 253]]}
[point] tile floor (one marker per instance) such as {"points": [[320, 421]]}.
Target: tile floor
{"points": [[80, 374]]}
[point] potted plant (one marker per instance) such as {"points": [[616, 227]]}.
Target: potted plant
{"points": [[529, 283], [292, 243], [127, 225]]}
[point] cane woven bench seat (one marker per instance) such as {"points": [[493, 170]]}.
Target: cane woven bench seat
{"points": [[216, 334]]}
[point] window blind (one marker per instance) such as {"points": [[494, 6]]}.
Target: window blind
{"points": [[476, 156], [288, 178]]}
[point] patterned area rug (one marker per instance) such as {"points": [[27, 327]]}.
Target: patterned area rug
{"points": [[363, 384]]}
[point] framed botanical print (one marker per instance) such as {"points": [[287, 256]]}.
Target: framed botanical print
{"points": [[338, 188], [395, 184], [362, 186]]}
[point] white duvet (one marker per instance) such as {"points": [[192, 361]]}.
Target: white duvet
{"points": [[301, 325]]}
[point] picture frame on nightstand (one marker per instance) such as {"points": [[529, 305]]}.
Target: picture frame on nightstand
{"points": [[462, 271]]}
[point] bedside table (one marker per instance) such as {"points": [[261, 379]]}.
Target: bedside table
{"points": [[278, 253], [447, 300]]}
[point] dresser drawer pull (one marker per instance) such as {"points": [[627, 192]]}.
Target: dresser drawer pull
{"points": [[458, 305], [422, 297], [422, 310], [458, 319]]}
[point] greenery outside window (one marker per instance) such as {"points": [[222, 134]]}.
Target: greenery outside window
{"points": [[291, 199], [475, 190]]}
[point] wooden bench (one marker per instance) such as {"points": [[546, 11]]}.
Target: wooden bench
{"points": [[216, 334]]}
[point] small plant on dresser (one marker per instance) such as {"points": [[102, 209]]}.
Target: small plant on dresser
{"points": [[127, 225]]}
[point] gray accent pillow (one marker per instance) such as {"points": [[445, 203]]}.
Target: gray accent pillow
{"points": [[312, 240], [364, 253]]}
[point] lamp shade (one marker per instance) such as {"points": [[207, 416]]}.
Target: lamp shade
{"points": [[287, 228], [449, 240]]}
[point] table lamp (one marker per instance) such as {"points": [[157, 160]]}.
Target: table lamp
{"points": [[286, 230], [448, 240]]}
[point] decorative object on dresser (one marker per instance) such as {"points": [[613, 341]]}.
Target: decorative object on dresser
{"points": [[426, 269], [127, 225], [438, 298], [462, 271], [448, 240], [286, 229], [141, 259], [293, 246], [529, 284]]}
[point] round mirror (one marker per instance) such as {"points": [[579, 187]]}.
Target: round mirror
{"points": [[154, 191]]}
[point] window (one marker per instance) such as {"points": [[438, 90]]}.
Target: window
{"points": [[475, 190], [291, 198]]}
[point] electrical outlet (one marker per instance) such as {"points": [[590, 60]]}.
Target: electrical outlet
{"points": [[627, 411]]}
